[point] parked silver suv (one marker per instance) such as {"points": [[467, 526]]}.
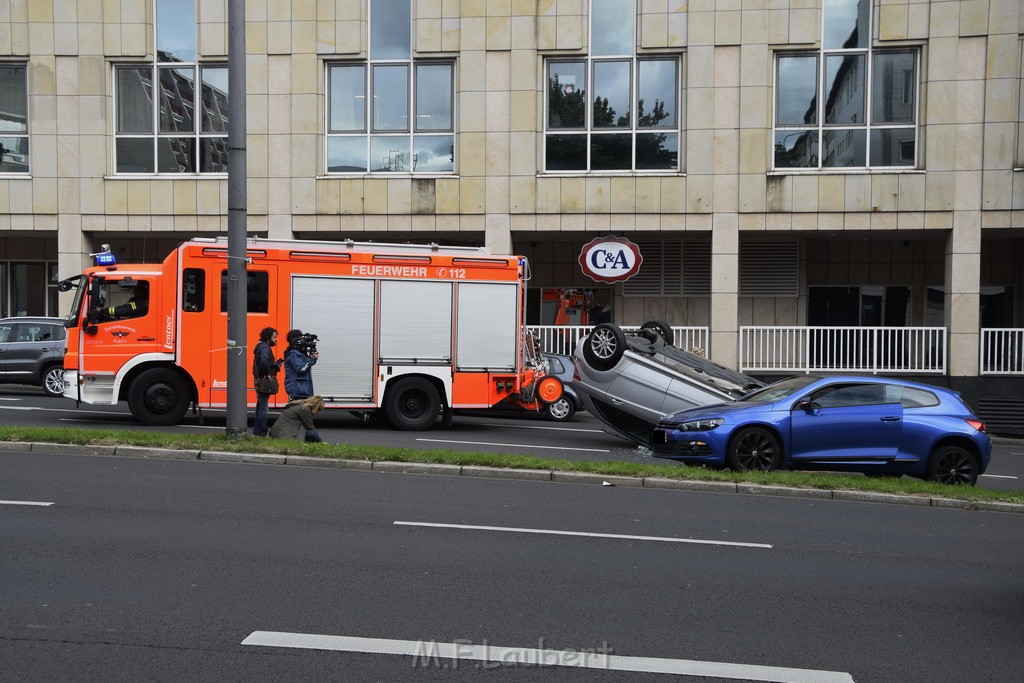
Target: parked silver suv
{"points": [[32, 352], [630, 379]]}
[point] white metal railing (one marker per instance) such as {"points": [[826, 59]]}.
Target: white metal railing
{"points": [[1002, 351], [563, 338], [843, 349]]}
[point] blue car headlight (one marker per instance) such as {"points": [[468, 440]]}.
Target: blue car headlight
{"points": [[703, 425]]}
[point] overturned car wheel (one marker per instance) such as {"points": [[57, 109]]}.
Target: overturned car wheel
{"points": [[659, 327], [605, 345]]}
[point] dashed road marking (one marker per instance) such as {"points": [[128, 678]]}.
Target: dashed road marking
{"points": [[591, 534], [516, 445], [25, 502], [429, 653]]}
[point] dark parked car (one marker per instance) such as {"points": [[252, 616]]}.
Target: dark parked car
{"points": [[562, 367], [32, 352], [630, 379], [875, 425]]}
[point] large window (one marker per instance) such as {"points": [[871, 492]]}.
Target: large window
{"points": [[391, 113], [612, 110], [847, 105], [13, 119], [172, 114]]}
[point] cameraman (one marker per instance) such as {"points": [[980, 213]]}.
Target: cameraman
{"points": [[299, 359]]}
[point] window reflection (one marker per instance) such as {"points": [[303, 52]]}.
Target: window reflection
{"points": [[405, 105], [434, 97], [843, 148], [390, 154], [611, 152], [846, 23], [13, 119], [567, 90], [13, 100], [612, 93], [796, 90], [892, 147], [657, 151], [893, 93], [215, 100], [346, 154], [176, 30], [844, 81], [175, 155], [656, 84], [213, 155], [135, 155], [14, 155], [391, 97], [390, 26], [822, 115], [796, 149], [609, 96], [177, 97], [135, 100], [565, 153], [348, 98], [611, 28], [434, 153]]}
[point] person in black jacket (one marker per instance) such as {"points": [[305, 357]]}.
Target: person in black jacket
{"points": [[263, 365]]}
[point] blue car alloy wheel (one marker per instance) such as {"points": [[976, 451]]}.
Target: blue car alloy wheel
{"points": [[874, 425]]}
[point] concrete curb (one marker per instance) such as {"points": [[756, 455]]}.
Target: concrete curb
{"points": [[481, 471], [790, 491], [417, 467]]}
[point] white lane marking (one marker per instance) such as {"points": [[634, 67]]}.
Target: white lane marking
{"points": [[558, 429], [24, 502], [130, 422], [435, 654], [514, 445], [61, 410], [997, 476], [11, 399], [591, 534]]}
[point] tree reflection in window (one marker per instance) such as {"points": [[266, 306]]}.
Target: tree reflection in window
{"points": [[630, 128]]}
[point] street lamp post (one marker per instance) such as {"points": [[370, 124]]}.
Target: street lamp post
{"points": [[237, 304]]}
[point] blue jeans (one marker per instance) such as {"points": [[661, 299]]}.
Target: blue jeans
{"points": [[259, 423]]}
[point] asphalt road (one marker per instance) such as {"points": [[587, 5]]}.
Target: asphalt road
{"points": [[160, 569], [487, 431]]}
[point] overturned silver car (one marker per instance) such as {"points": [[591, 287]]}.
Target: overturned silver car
{"points": [[630, 379]]}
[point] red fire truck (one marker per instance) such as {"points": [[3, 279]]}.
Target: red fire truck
{"points": [[414, 331]]}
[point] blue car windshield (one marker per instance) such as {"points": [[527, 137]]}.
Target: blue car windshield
{"points": [[779, 390]]}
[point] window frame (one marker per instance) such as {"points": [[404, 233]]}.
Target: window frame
{"points": [[24, 135], [589, 130], [198, 137], [411, 133], [820, 128]]}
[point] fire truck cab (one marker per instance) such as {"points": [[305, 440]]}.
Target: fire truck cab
{"points": [[411, 331]]}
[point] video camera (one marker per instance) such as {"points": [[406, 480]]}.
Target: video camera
{"points": [[307, 343]]}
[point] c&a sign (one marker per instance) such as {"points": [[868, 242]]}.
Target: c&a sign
{"points": [[610, 259]]}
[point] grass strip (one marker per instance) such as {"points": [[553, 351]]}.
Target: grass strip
{"points": [[209, 442]]}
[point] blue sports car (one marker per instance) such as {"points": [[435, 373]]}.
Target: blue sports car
{"points": [[875, 425]]}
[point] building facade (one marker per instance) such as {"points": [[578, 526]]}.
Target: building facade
{"points": [[780, 163]]}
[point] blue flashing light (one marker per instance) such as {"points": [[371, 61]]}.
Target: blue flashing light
{"points": [[105, 258]]}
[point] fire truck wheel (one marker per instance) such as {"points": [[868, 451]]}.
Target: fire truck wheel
{"points": [[661, 328], [605, 345], [158, 397], [412, 404]]}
